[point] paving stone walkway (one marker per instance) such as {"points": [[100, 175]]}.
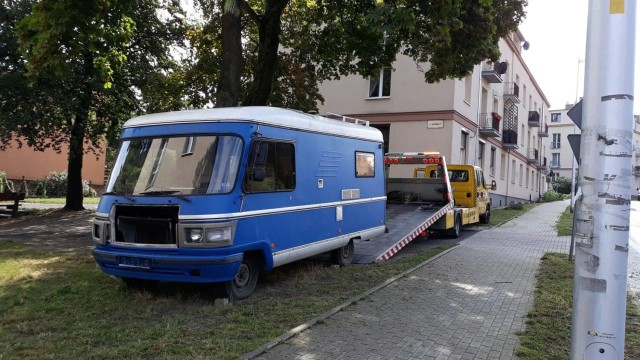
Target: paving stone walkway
{"points": [[468, 304]]}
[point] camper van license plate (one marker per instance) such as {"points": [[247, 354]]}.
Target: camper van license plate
{"points": [[134, 262]]}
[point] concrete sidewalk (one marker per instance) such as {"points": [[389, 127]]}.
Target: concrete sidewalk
{"points": [[467, 304]]}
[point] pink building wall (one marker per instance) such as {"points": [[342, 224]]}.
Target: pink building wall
{"points": [[25, 163]]}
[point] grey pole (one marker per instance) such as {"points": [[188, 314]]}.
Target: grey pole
{"points": [[602, 214]]}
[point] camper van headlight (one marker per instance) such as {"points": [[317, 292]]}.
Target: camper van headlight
{"points": [[210, 235]]}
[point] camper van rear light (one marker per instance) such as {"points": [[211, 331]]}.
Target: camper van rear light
{"points": [[210, 235]]}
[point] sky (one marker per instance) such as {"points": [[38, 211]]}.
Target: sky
{"points": [[557, 34]]}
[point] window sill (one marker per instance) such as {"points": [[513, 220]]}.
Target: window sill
{"points": [[378, 98]]}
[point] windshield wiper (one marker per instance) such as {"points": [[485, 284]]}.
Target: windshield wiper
{"points": [[165, 192], [120, 193]]}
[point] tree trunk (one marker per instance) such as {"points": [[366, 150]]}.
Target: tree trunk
{"points": [[269, 39], [228, 91], [74, 166]]}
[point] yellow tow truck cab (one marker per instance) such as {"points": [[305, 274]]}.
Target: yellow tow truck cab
{"points": [[470, 194]]}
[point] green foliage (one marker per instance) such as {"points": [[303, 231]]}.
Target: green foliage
{"points": [[78, 69], [551, 195], [55, 185], [41, 189], [564, 225], [6, 185], [329, 39], [516, 207], [562, 185], [24, 188]]}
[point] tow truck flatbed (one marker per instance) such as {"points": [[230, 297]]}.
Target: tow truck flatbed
{"points": [[405, 222]]}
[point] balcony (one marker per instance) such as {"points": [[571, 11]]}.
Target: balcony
{"points": [[534, 119], [543, 164], [543, 131], [509, 139], [490, 124], [512, 92], [491, 72], [532, 156]]}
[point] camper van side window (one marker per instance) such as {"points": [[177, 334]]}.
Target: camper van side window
{"points": [[271, 167], [365, 164]]}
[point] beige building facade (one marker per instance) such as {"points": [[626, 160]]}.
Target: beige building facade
{"points": [[561, 158], [494, 118]]}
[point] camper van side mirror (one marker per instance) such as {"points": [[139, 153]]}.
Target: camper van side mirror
{"points": [[494, 185]]}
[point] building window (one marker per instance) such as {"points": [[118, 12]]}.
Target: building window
{"points": [[521, 173], [467, 88], [481, 154], [464, 136], [555, 117], [526, 183], [513, 172], [555, 160], [524, 96], [503, 165], [380, 86], [272, 167], [492, 164], [555, 142], [365, 164]]}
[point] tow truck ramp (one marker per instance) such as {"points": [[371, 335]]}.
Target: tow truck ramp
{"points": [[404, 223]]}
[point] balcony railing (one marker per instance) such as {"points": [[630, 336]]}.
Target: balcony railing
{"points": [[532, 156], [512, 92], [555, 145], [543, 131], [543, 163], [491, 72], [555, 164], [534, 118], [490, 124]]}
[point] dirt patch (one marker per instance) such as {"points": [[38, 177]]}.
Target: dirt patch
{"points": [[51, 230]]}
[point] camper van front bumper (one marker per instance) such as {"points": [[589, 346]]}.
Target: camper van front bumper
{"points": [[161, 267]]}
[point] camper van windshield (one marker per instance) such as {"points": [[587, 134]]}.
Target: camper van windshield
{"points": [[188, 165]]}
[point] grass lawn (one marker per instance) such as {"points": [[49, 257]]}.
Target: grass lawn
{"points": [[59, 306], [499, 216], [564, 226], [91, 200], [548, 334]]}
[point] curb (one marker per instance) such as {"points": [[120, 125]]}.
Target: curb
{"points": [[302, 327]]}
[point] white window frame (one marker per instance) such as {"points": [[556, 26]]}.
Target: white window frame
{"points": [[380, 84]]}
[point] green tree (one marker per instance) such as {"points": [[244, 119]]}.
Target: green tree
{"points": [[302, 42], [562, 185], [77, 68]]}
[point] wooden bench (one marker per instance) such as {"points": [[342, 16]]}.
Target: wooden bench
{"points": [[16, 198]]}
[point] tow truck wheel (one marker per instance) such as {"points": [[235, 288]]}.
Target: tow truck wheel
{"points": [[139, 284], [344, 255], [454, 232], [244, 283], [486, 217]]}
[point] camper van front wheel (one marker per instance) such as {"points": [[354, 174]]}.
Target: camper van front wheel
{"points": [[244, 283], [343, 256]]}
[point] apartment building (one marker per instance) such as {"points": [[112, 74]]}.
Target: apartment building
{"points": [[561, 158], [494, 118]]}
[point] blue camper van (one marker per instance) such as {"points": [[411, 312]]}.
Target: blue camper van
{"points": [[218, 195]]}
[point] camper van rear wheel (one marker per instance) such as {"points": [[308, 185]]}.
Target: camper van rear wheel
{"points": [[244, 283], [344, 255], [486, 217], [454, 232]]}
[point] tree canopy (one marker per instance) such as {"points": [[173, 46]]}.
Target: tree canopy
{"points": [[74, 70], [286, 45]]}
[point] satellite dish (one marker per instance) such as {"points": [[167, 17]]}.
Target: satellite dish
{"points": [[502, 68], [525, 45]]}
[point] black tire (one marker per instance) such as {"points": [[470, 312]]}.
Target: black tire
{"points": [[486, 217], [139, 284], [244, 283], [454, 232], [344, 255]]}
